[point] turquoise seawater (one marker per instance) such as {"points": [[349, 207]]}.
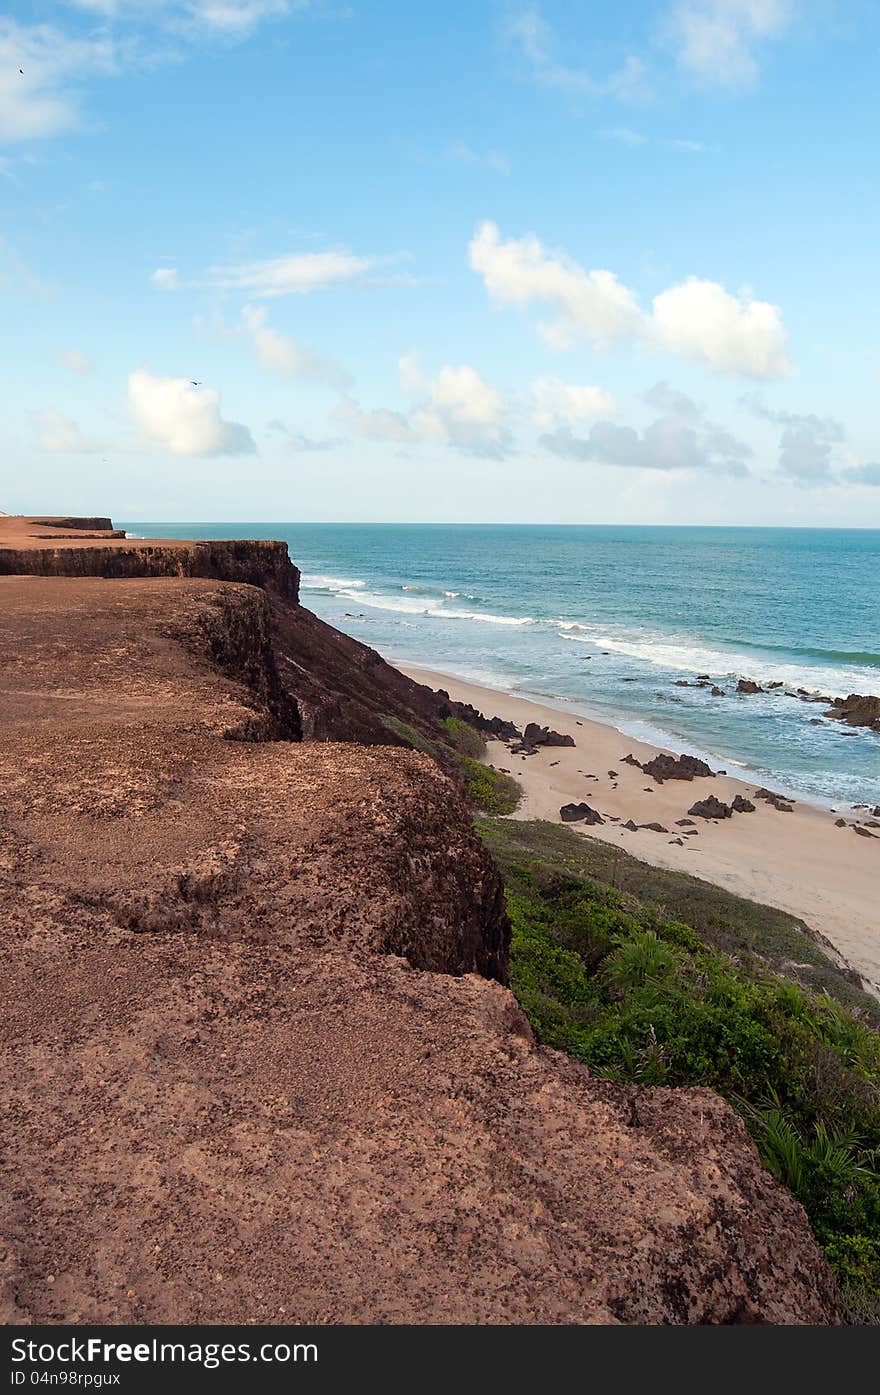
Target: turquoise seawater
{"points": [[606, 619]]}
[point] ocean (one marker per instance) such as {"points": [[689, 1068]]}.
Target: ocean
{"points": [[611, 620]]}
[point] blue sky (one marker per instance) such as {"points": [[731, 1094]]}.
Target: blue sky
{"points": [[480, 261]]}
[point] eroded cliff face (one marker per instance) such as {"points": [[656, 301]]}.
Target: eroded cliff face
{"points": [[341, 689], [262, 1064]]}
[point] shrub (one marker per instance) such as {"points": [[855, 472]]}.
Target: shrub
{"points": [[465, 738]]}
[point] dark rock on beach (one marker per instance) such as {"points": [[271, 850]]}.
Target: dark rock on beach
{"points": [[711, 808], [741, 805], [580, 813], [665, 767], [535, 735]]}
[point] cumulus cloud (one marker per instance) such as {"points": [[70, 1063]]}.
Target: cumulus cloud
{"points": [[280, 354], [700, 320], [184, 419], [166, 278], [78, 362], [463, 409], [697, 320], [558, 402], [56, 432], [594, 304], [718, 40], [457, 406], [682, 439]]}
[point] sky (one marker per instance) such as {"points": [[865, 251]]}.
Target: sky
{"points": [[479, 261]]}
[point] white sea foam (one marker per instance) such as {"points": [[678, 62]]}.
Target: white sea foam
{"points": [[436, 610], [682, 655], [328, 583]]}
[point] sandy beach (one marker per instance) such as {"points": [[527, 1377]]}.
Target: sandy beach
{"points": [[799, 861]]}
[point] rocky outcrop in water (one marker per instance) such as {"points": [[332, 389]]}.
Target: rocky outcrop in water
{"points": [[857, 710]]}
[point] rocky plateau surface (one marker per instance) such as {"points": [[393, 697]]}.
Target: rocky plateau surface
{"points": [[260, 1062]]}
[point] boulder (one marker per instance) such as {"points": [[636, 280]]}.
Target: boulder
{"points": [[654, 827], [711, 808], [746, 685], [580, 813], [665, 767], [857, 710], [741, 805], [535, 735]]}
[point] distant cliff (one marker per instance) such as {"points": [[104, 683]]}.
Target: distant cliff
{"points": [[341, 689], [261, 1058]]}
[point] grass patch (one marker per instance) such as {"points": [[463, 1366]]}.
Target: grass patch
{"points": [[744, 929], [682, 992], [465, 738], [486, 790]]}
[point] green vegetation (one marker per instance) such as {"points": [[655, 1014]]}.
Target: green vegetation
{"points": [[486, 790], [608, 969], [465, 738]]}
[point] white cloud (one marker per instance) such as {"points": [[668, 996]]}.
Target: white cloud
{"points": [[529, 32], [377, 424], [296, 274], [463, 409], [457, 406], [556, 401], [166, 278], [183, 418], [78, 362], [731, 334], [38, 67], [718, 40], [594, 304], [229, 18], [42, 66], [282, 355], [239, 17], [56, 432], [698, 319]]}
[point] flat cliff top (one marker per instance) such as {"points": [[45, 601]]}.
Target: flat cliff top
{"points": [[43, 532], [260, 1067]]}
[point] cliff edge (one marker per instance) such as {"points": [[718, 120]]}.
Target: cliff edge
{"points": [[262, 1064]]}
